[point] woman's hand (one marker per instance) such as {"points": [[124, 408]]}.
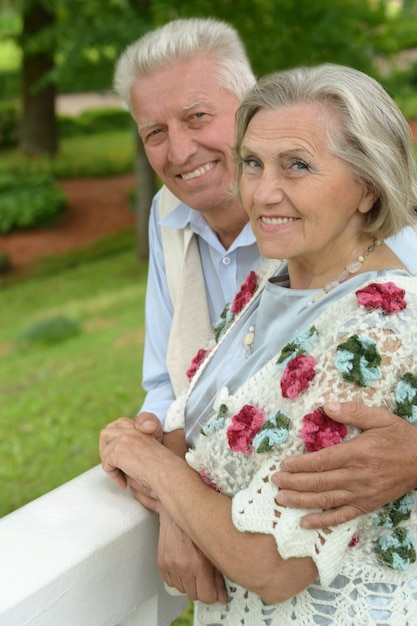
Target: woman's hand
{"points": [[184, 566], [127, 453]]}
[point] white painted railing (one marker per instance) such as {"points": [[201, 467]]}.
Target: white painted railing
{"points": [[83, 555]]}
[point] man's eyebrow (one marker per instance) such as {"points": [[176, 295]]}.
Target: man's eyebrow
{"points": [[147, 126], [195, 104], [187, 107]]}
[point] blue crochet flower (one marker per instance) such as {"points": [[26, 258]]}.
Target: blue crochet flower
{"points": [[216, 422], [302, 344], [396, 512], [397, 549], [226, 317], [358, 360], [406, 397], [273, 433]]}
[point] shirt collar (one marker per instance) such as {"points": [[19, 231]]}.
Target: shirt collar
{"points": [[183, 216]]}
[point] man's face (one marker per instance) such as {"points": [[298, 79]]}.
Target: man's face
{"points": [[186, 122]]}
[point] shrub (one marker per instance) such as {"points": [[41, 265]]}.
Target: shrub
{"points": [[27, 201], [9, 125], [5, 263], [49, 331], [94, 121]]}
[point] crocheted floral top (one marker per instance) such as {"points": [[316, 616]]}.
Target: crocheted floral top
{"points": [[362, 347]]}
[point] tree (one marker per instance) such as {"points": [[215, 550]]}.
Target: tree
{"points": [[38, 128]]}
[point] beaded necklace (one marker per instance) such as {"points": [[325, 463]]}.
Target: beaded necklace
{"points": [[352, 267]]}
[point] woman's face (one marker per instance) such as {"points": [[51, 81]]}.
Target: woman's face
{"points": [[304, 202]]}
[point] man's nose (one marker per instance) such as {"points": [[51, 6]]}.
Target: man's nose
{"points": [[181, 145]]}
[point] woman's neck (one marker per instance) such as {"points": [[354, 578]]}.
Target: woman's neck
{"points": [[321, 273]]}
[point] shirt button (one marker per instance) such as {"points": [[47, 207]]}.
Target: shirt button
{"points": [[226, 260]]}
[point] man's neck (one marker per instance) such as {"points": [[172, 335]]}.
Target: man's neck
{"points": [[227, 221]]}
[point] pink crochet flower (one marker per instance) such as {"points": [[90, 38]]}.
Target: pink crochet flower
{"points": [[208, 481], [297, 375], [196, 362], [245, 293], [319, 431], [245, 425], [386, 296]]}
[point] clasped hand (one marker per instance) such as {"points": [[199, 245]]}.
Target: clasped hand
{"points": [[128, 447]]}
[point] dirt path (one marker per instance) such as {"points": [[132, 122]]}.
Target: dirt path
{"points": [[97, 207]]}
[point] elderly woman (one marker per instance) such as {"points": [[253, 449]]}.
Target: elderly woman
{"points": [[326, 173]]}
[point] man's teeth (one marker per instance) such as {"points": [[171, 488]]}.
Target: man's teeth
{"points": [[277, 220], [198, 172]]}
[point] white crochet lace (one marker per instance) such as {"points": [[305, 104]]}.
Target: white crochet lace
{"points": [[355, 587]]}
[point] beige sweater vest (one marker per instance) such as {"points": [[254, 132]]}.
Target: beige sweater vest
{"points": [[191, 326]]}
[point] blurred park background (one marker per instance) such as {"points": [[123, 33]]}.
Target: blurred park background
{"points": [[75, 192]]}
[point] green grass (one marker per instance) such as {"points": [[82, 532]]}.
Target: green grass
{"points": [[56, 398]]}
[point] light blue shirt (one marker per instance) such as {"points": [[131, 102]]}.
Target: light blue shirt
{"points": [[224, 272]]}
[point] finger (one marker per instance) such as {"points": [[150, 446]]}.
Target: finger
{"points": [[357, 414], [148, 424], [206, 588], [316, 480], [115, 475], [309, 500], [221, 590], [330, 458], [333, 517]]}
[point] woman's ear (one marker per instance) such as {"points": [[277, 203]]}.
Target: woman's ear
{"points": [[368, 200]]}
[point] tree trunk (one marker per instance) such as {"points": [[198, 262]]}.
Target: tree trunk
{"points": [[39, 125], [145, 191]]}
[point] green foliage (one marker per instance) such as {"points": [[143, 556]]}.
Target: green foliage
{"points": [[284, 34], [9, 124], [105, 154], [9, 83], [90, 37], [94, 122], [28, 201], [49, 331]]}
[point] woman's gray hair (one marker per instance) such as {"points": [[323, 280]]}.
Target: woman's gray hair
{"points": [[182, 40], [373, 136]]}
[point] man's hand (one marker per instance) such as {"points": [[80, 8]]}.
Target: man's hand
{"points": [[355, 477], [149, 424], [185, 567]]}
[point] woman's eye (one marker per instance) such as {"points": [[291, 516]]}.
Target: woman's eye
{"points": [[250, 163], [299, 165]]}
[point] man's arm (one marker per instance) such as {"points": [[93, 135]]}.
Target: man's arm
{"points": [[158, 320], [355, 477]]}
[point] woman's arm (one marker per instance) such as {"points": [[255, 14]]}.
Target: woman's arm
{"points": [[250, 559]]}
